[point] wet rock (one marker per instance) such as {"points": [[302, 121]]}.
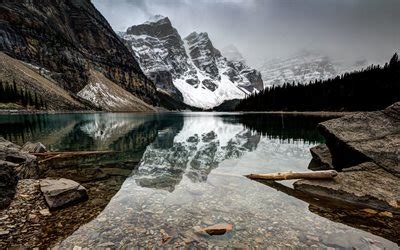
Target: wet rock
{"points": [[45, 212], [218, 229], [106, 245], [367, 136], [8, 182], [371, 186], [34, 147], [62, 192], [33, 218], [4, 232], [27, 163], [322, 158]]}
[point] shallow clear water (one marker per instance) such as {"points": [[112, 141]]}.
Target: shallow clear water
{"points": [[190, 175]]}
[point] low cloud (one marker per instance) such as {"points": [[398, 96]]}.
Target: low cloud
{"points": [[263, 29]]}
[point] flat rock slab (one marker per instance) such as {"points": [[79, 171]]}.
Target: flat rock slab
{"points": [[367, 136], [366, 184], [62, 192]]}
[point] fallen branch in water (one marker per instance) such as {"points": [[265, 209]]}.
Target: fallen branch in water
{"points": [[326, 174]]}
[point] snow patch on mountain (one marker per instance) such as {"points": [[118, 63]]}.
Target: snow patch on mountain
{"points": [[102, 92]]}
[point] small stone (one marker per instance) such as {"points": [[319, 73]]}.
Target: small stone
{"points": [[370, 211], [102, 219], [165, 237], [106, 244], [259, 240], [33, 218], [45, 212], [4, 232], [4, 218], [218, 229], [386, 213], [312, 237]]}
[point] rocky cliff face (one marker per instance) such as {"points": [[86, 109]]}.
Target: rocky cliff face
{"points": [[68, 39], [190, 69]]}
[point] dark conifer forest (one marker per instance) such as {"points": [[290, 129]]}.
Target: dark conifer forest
{"points": [[373, 88], [11, 93]]}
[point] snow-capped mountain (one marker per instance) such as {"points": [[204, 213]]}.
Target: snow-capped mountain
{"points": [[191, 69], [303, 67]]}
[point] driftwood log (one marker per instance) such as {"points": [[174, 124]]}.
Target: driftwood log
{"points": [[326, 174]]}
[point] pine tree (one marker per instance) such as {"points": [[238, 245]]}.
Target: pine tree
{"points": [[24, 101], [36, 101], [1, 91], [394, 60]]}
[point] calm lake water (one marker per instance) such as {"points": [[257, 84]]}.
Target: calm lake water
{"points": [[185, 171]]}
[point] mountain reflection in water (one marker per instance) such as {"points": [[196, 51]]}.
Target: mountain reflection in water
{"points": [[182, 171]]}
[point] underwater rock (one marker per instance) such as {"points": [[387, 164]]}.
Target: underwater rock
{"points": [[218, 229], [62, 192]]}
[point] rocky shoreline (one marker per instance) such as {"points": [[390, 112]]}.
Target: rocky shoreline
{"points": [[38, 207], [365, 148]]}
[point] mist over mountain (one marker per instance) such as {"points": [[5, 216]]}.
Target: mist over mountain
{"points": [[343, 30]]}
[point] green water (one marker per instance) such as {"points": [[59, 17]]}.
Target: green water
{"points": [[187, 172]]}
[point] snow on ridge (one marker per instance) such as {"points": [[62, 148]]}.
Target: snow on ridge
{"points": [[155, 19]]}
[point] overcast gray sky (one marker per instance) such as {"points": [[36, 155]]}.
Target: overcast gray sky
{"points": [[264, 29]]}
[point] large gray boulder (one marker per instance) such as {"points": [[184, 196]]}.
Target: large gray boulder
{"points": [[27, 163], [62, 192], [367, 136]]}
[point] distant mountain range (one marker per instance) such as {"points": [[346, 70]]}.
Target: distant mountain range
{"points": [[191, 70], [303, 67]]}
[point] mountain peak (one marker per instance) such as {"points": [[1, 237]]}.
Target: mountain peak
{"points": [[156, 19], [232, 53]]}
